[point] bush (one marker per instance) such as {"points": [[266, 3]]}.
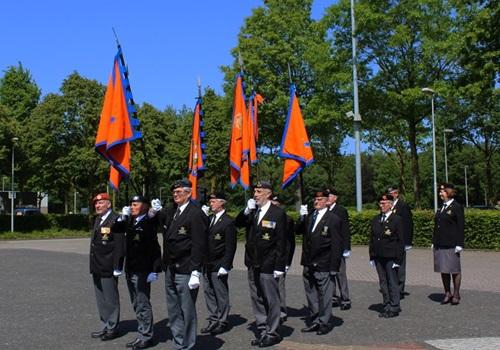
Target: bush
{"points": [[45, 222]]}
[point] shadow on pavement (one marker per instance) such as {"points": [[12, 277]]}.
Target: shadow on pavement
{"points": [[209, 342], [378, 308], [436, 297], [302, 313], [161, 331], [128, 326], [236, 320]]}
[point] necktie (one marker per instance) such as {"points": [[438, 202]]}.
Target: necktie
{"points": [[382, 220], [177, 213], [443, 208], [257, 214], [212, 222], [313, 220]]}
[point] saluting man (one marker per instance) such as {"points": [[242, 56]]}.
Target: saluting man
{"points": [[184, 249], [385, 249], [340, 279], [265, 258], [219, 261], [106, 264], [321, 252], [400, 208], [142, 264]]}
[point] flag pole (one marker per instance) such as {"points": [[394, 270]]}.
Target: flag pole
{"points": [[132, 102], [301, 178]]}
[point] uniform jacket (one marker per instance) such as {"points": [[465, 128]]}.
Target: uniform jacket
{"points": [[221, 244], [449, 226], [321, 248], [342, 213], [184, 239], [402, 209], [143, 253], [106, 246], [387, 238], [266, 242]]}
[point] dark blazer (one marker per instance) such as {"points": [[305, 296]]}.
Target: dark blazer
{"points": [[449, 226], [342, 213], [387, 239], [184, 239], [403, 210], [221, 244], [321, 248], [290, 237], [143, 253], [106, 246], [266, 242]]}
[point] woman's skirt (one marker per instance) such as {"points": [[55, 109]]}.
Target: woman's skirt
{"points": [[446, 260]]}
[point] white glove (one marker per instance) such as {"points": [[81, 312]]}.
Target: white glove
{"points": [[194, 280], [346, 253], [126, 211], [432, 246], [408, 247], [278, 274], [156, 204], [458, 249], [251, 205], [117, 273], [153, 276], [303, 210], [222, 271], [205, 209], [372, 263], [287, 268], [394, 265]]}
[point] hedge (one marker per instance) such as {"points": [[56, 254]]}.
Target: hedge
{"points": [[482, 227]]}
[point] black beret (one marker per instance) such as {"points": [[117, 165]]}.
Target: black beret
{"points": [[445, 185], [385, 197], [321, 193], [275, 198], [139, 198], [180, 184], [263, 184], [217, 195], [331, 190]]}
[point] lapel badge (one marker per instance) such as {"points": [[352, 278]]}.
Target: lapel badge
{"points": [[182, 231], [105, 231], [325, 231], [387, 232], [217, 237], [266, 236], [137, 237], [448, 212]]}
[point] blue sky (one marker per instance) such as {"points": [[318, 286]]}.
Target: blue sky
{"points": [[167, 44]]}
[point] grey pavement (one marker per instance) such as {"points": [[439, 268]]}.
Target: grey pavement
{"points": [[47, 301]]}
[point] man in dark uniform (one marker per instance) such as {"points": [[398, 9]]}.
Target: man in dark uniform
{"points": [[321, 252], [106, 264], [290, 250], [219, 261], [265, 258], [142, 263], [400, 208], [184, 248], [385, 249], [340, 279]]}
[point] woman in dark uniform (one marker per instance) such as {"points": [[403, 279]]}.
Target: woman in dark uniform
{"points": [[448, 241]]}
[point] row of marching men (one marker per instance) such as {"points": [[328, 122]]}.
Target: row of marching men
{"points": [[199, 248]]}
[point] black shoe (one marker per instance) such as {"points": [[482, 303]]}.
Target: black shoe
{"points": [[390, 314], [109, 336], [221, 328], [323, 329], [133, 343], [345, 306], [446, 299], [143, 344], [98, 334], [209, 328], [283, 319], [312, 328], [401, 296], [270, 341], [335, 302], [256, 341]]}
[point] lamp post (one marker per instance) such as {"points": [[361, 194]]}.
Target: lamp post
{"points": [[445, 156], [12, 193], [466, 189], [431, 92], [160, 191], [357, 116]]}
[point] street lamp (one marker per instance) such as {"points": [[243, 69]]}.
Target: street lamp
{"points": [[160, 191], [12, 193], [431, 92], [466, 189], [445, 156]]}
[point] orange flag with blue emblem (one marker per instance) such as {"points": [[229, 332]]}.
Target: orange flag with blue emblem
{"points": [[196, 154], [238, 163], [295, 146], [117, 126], [253, 134]]}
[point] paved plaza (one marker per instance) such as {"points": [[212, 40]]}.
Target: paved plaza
{"points": [[47, 302]]}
